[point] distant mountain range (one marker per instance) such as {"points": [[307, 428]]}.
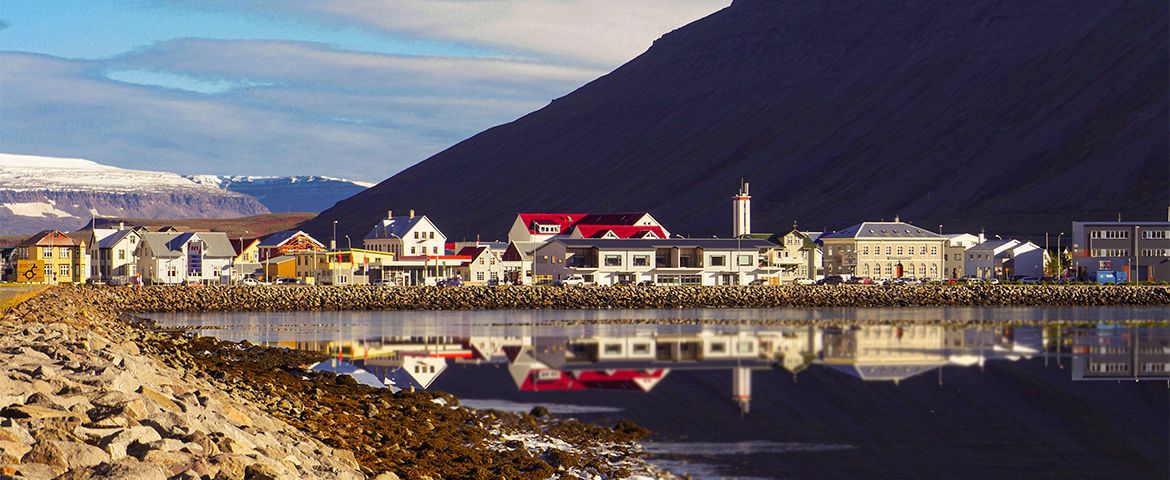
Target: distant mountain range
{"points": [[38, 193], [1015, 116], [288, 194]]}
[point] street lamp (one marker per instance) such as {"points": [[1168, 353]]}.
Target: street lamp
{"points": [[333, 246], [349, 242], [1059, 257]]}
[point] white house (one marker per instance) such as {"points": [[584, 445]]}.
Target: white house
{"points": [[185, 257], [117, 262], [485, 265], [668, 262], [954, 253], [406, 236], [1003, 259]]}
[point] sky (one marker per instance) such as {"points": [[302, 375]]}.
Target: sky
{"points": [[346, 88]]}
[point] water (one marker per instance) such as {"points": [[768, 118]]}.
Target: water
{"points": [[791, 393]]}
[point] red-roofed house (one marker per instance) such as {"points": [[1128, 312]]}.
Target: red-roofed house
{"points": [[541, 227], [483, 266]]}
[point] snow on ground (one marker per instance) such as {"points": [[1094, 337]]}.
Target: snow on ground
{"points": [[222, 181], [36, 209], [30, 172]]}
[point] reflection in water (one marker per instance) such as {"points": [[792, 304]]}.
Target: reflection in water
{"points": [[639, 361], [835, 396]]}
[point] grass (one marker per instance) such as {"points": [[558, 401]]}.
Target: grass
{"points": [[12, 295]]}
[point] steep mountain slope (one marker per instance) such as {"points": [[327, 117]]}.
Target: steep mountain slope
{"points": [[1015, 115], [288, 194], [38, 193]]}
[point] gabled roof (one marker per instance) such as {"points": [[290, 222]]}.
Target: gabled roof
{"points": [[160, 243], [280, 238], [170, 244], [393, 227], [239, 245], [893, 230], [472, 252], [628, 218], [520, 251], [621, 231], [109, 241], [563, 220], [50, 238]]}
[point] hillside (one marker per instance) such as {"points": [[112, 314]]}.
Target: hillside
{"points": [[1014, 116], [38, 193], [288, 194]]}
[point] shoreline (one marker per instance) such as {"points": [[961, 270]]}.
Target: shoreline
{"points": [[157, 299], [91, 392]]}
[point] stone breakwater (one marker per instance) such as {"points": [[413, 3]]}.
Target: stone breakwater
{"points": [[87, 392], [277, 298]]}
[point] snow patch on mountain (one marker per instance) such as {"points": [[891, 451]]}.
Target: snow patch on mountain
{"points": [[32, 172]]}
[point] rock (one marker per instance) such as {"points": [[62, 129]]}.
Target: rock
{"points": [[263, 471], [386, 476], [35, 470], [63, 455], [116, 445], [237, 417], [12, 452], [230, 466], [163, 401], [33, 412], [130, 468]]}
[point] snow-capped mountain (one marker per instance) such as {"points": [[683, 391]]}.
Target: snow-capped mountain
{"points": [[38, 193], [288, 194]]}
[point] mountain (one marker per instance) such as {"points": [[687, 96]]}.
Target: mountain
{"points": [[1017, 116], [288, 194], [38, 193]]}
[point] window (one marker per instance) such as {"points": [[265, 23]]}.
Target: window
{"points": [[718, 260], [1156, 252], [613, 349], [718, 347], [744, 347], [865, 250], [889, 269], [1109, 234], [641, 348], [744, 260], [1156, 234], [865, 270], [481, 262], [690, 279], [65, 252], [479, 276], [48, 272], [412, 250], [889, 250], [121, 254], [1110, 252], [434, 250], [933, 251], [641, 261], [47, 252], [613, 260], [923, 250], [900, 250], [64, 270]]}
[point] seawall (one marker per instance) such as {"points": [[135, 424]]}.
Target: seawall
{"points": [[276, 298]]}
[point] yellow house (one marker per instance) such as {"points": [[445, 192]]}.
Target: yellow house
{"points": [[338, 268], [51, 257], [284, 266]]}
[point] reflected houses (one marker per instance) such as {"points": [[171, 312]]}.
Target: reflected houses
{"points": [[639, 362], [1123, 353]]}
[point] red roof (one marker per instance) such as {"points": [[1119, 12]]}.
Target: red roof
{"points": [[622, 231], [471, 253], [628, 218], [590, 380], [564, 220], [50, 238]]}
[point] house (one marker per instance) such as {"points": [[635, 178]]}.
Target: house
{"points": [[517, 262], [541, 227], [406, 236], [51, 257], [884, 250], [1004, 259], [185, 257], [246, 263], [345, 267], [799, 256], [484, 265], [1140, 249], [668, 261], [115, 260], [954, 253], [287, 242], [282, 267]]}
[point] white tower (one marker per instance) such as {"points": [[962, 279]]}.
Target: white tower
{"points": [[741, 205]]}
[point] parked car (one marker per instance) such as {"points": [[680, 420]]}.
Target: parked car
{"points": [[286, 281], [805, 281], [250, 281], [571, 280], [831, 280], [450, 282], [646, 283], [493, 282], [758, 281], [1030, 280]]}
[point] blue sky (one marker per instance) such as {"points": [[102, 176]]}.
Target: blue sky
{"points": [[345, 88]]}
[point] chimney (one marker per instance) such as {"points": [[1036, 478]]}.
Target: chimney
{"points": [[389, 214], [412, 214], [121, 225]]}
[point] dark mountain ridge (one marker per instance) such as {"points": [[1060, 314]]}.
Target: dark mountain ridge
{"points": [[1010, 115]]}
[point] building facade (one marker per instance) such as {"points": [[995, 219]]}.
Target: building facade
{"points": [[185, 257], [406, 236], [51, 257], [954, 254], [1004, 259], [884, 250], [1139, 249], [484, 266], [664, 262]]}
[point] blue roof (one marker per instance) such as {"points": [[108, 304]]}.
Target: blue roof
{"points": [[882, 230], [393, 227], [114, 238]]}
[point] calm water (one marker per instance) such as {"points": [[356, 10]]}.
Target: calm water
{"points": [[790, 393]]}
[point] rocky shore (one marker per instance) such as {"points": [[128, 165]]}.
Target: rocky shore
{"points": [[278, 298], [86, 393]]}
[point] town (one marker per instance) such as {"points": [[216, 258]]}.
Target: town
{"points": [[604, 249]]}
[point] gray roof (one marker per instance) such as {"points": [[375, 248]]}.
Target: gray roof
{"points": [[277, 239], [894, 230], [650, 244], [393, 227], [170, 244], [110, 240]]}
